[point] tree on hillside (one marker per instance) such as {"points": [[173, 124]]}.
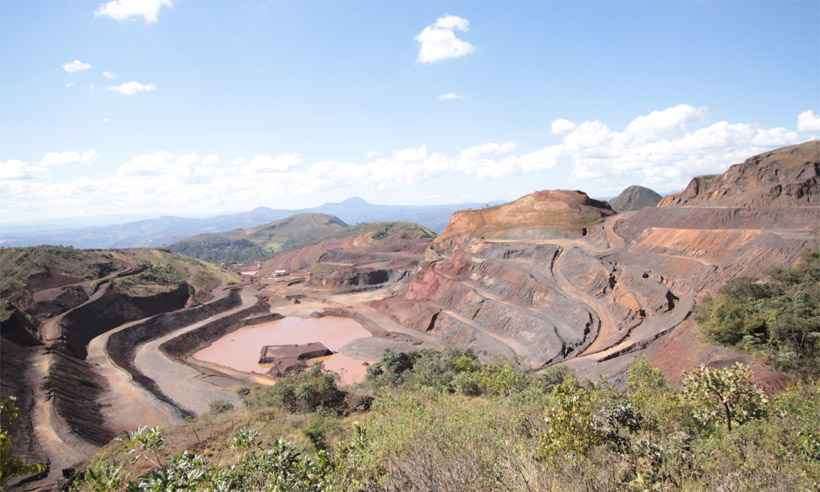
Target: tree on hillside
{"points": [[723, 396]]}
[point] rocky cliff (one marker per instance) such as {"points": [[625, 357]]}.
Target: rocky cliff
{"points": [[785, 177]]}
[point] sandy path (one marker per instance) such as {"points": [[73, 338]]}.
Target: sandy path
{"points": [[608, 326], [191, 389], [126, 404]]}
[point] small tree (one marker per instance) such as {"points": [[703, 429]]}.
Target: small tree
{"points": [[723, 396], [570, 421]]}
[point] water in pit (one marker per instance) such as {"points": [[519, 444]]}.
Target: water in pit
{"points": [[240, 350]]}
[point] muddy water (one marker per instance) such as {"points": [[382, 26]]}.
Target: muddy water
{"points": [[240, 350]]}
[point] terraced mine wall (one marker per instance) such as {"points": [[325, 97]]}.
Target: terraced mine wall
{"points": [[122, 345], [17, 346], [718, 218], [74, 385], [195, 340], [75, 388], [88, 321], [351, 280]]}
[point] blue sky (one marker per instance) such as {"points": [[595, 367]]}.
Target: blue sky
{"points": [[216, 106]]}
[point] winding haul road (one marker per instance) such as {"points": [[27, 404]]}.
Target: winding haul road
{"points": [[607, 341], [125, 404], [188, 387]]}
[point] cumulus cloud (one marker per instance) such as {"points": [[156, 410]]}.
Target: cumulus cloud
{"points": [[63, 158], [126, 9], [170, 165], [13, 170], [562, 126], [808, 121], [18, 170], [439, 40], [76, 66], [109, 75], [133, 87], [662, 149], [450, 96], [267, 163]]}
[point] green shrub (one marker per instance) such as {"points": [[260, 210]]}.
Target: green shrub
{"points": [[570, 423], [10, 465], [307, 391], [185, 471], [146, 443], [725, 396], [100, 476], [779, 317]]}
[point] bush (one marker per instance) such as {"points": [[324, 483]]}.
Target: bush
{"points": [[308, 391], [10, 465], [101, 476], [779, 317], [723, 396], [220, 406]]}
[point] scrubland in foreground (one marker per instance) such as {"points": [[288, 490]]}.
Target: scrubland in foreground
{"points": [[444, 421]]}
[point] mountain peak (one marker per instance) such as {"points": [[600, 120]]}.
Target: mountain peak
{"points": [[635, 198], [354, 200]]}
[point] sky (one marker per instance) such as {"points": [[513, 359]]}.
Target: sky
{"points": [[200, 107]]}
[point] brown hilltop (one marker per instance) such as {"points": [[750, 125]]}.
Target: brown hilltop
{"points": [[539, 215], [785, 177]]}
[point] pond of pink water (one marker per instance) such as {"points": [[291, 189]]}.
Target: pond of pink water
{"points": [[240, 350]]}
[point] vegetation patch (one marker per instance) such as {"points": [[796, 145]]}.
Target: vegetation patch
{"points": [[445, 421], [778, 317]]}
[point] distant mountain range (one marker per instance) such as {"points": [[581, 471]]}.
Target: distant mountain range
{"points": [[165, 230]]}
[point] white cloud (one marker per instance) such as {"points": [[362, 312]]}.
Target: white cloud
{"points": [[14, 170], [109, 75], [808, 121], [450, 96], [133, 87], [667, 122], [168, 164], [63, 158], [439, 41], [662, 149], [125, 9], [76, 66], [267, 163], [69, 85], [562, 126]]}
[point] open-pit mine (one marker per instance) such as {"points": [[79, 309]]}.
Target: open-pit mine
{"points": [[96, 343]]}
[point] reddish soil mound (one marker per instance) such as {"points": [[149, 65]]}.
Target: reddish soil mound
{"points": [[543, 214], [785, 177]]}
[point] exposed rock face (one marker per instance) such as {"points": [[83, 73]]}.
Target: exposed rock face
{"points": [[786, 177], [371, 255], [489, 282], [635, 198], [555, 277]]}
